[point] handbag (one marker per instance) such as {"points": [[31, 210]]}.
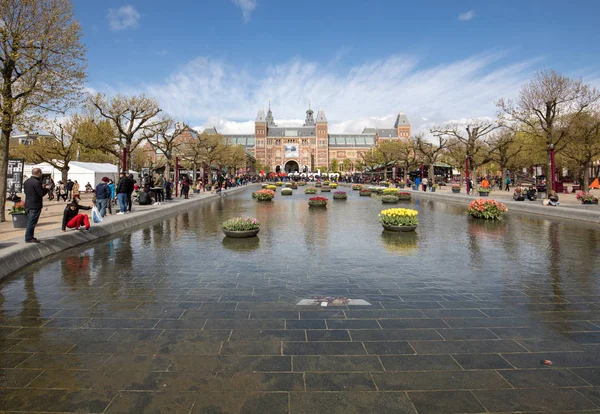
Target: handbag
{"points": [[96, 215]]}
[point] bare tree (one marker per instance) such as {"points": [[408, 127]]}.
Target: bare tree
{"points": [[543, 103], [472, 135], [505, 147], [430, 152], [42, 66], [135, 118], [167, 140]]}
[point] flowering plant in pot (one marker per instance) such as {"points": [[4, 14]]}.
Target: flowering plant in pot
{"points": [[19, 217], [365, 193], [399, 219], [340, 195], [288, 185], [384, 184], [240, 227], [333, 185], [401, 184], [325, 189], [484, 191], [301, 183], [294, 186], [318, 184], [357, 187], [586, 198], [486, 209], [264, 195], [456, 188], [390, 191], [403, 195], [278, 184], [271, 187], [17, 208], [326, 183], [264, 185], [389, 198], [317, 201], [310, 190], [286, 191]]}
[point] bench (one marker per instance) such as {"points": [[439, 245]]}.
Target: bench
{"points": [[576, 188]]}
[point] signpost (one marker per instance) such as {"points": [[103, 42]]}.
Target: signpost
{"points": [[14, 175]]}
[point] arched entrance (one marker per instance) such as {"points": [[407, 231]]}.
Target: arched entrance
{"points": [[291, 166]]}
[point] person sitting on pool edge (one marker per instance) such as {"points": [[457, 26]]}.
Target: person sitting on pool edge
{"points": [[72, 219], [553, 199]]}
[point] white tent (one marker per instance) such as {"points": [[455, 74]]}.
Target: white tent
{"points": [[92, 172]]}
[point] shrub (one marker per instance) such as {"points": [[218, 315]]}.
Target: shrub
{"points": [[286, 191], [399, 217], [486, 209], [404, 195], [264, 195], [340, 195], [310, 190], [388, 198], [365, 193], [357, 187], [586, 197], [241, 224], [317, 201], [390, 191]]}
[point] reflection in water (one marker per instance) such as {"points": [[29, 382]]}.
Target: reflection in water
{"points": [[241, 245], [401, 244], [76, 270]]}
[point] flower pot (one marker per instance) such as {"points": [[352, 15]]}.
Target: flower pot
{"points": [[317, 204], [241, 234], [19, 221], [456, 190], [484, 193], [401, 185], [265, 199], [399, 228], [389, 201], [590, 202]]}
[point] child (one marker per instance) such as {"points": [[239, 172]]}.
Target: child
{"points": [[72, 219]]}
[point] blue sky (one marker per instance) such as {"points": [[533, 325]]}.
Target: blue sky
{"points": [[215, 62]]}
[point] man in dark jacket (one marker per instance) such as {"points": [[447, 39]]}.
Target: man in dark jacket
{"points": [[102, 196], [69, 188], [34, 202], [124, 188]]}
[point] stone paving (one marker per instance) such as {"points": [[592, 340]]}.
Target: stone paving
{"points": [[172, 318]]}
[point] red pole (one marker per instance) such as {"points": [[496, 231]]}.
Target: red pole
{"points": [[176, 176], [552, 167], [467, 174], [124, 169]]}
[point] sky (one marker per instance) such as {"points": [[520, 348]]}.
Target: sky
{"points": [[217, 62]]}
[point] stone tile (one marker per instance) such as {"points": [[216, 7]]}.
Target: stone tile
{"points": [[194, 335], [235, 402], [17, 378], [241, 324], [126, 335], [412, 323], [199, 347], [251, 348], [54, 400], [268, 335], [208, 314], [559, 359], [336, 364], [585, 337], [394, 334], [305, 324], [591, 375], [465, 334], [350, 402], [352, 324], [525, 333], [152, 402], [453, 313], [323, 348], [327, 335], [64, 362], [202, 363], [445, 402], [481, 361], [542, 378], [121, 324], [6, 344], [252, 381], [388, 348], [466, 347], [340, 382], [591, 393], [419, 363], [183, 324], [384, 314], [489, 323], [275, 315], [439, 380], [66, 379], [137, 363], [543, 399], [541, 345]]}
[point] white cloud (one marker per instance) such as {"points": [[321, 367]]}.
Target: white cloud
{"points": [[124, 17], [247, 7], [216, 93], [466, 16]]}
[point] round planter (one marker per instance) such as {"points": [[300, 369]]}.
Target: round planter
{"points": [[311, 204], [365, 194], [340, 198], [401, 185], [389, 201], [589, 202], [19, 221], [268, 199], [456, 190], [241, 234], [325, 190], [398, 229], [483, 194]]}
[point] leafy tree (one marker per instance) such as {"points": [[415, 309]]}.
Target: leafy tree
{"points": [[42, 66], [431, 153], [346, 164], [583, 145], [334, 165], [543, 104], [167, 140]]}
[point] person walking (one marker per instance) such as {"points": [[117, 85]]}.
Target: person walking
{"points": [[61, 192], [158, 189], [50, 186], [34, 202], [424, 182], [168, 189], [124, 187], [185, 187], [129, 200], [76, 194], [72, 219], [102, 196], [112, 198], [69, 189], [507, 181]]}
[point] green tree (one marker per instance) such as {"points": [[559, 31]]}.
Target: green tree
{"points": [[583, 145], [346, 164], [42, 67], [334, 165]]}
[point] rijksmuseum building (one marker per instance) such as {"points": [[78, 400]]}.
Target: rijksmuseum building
{"points": [[311, 146]]}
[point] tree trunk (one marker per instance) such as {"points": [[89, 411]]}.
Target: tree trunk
{"points": [[4, 140], [64, 174], [430, 174], [167, 174], [194, 169], [586, 176]]}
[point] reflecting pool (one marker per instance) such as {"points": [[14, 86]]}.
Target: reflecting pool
{"points": [[464, 316]]}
